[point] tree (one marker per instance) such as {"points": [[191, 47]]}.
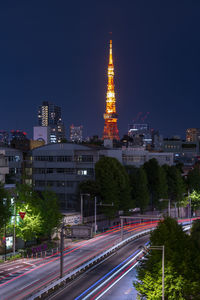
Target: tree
{"points": [[139, 185], [42, 213], [5, 208], [195, 233], [176, 187], [50, 213], [193, 179], [195, 200], [157, 182], [113, 182], [182, 265], [89, 187]]}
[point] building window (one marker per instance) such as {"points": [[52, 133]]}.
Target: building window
{"points": [[83, 158], [64, 158], [85, 172], [65, 170]]}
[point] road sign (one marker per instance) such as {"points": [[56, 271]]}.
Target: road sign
{"points": [[22, 214]]}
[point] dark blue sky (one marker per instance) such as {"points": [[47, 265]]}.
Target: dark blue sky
{"points": [[58, 51]]}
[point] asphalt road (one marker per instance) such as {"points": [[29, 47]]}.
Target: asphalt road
{"points": [[25, 277], [93, 282]]}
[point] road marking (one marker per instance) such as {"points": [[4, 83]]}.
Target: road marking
{"points": [[25, 286], [9, 269], [30, 264]]}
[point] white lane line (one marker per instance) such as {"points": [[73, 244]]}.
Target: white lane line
{"points": [[106, 290], [9, 269], [25, 286]]}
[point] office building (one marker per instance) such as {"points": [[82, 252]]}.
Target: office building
{"points": [[49, 115]]}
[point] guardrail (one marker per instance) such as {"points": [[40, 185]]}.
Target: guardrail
{"points": [[70, 276]]}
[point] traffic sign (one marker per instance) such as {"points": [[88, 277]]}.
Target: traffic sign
{"points": [[22, 214]]}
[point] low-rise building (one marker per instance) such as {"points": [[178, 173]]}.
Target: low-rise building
{"points": [[138, 156], [60, 168], [14, 158], [3, 166]]}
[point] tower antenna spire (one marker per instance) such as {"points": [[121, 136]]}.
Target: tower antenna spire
{"points": [[110, 126]]}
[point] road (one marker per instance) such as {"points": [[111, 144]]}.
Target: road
{"points": [[20, 279], [99, 280]]}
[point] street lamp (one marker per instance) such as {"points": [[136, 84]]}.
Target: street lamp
{"points": [[162, 248]]}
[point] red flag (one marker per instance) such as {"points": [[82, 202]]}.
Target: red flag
{"points": [[22, 214]]}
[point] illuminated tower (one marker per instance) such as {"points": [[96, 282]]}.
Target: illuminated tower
{"points": [[110, 127]]}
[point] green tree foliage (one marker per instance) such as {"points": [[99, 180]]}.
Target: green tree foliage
{"points": [[42, 213], [140, 192], [50, 213], [5, 208], [89, 187], [113, 182], [195, 234], [195, 200], [175, 182], [157, 182], [182, 265], [193, 179]]}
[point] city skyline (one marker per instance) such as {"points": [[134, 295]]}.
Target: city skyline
{"points": [[59, 54]]}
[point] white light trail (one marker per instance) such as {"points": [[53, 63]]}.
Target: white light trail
{"points": [[109, 278]]}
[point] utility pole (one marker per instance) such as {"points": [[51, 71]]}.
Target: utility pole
{"points": [[163, 272], [61, 249], [122, 221], [14, 230], [162, 248], [95, 215]]}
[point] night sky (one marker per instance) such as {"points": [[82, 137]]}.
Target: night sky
{"points": [[57, 51]]}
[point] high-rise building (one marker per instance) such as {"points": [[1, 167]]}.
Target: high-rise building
{"points": [[49, 114], [193, 134], [110, 126], [76, 133]]}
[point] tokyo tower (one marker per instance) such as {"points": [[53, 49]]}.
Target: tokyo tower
{"points": [[110, 126]]}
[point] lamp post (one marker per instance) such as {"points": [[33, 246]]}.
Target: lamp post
{"points": [[162, 248], [61, 249], [95, 215]]}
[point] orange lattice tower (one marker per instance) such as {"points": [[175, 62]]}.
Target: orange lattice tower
{"points": [[110, 127]]}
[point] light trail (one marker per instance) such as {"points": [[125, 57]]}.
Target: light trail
{"points": [[102, 278], [115, 280], [116, 270]]}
